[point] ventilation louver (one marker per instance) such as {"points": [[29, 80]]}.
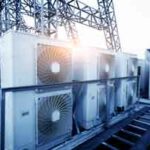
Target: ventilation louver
{"points": [[53, 64], [54, 117]]}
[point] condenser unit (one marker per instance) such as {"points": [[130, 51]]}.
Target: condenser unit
{"points": [[85, 64], [106, 101], [132, 65], [120, 65], [106, 65], [85, 68], [29, 60], [132, 70], [126, 89], [86, 112], [38, 120], [147, 74], [102, 110], [142, 71], [106, 70], [121, 72], [131, 93]]}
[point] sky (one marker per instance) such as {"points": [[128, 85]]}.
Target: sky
{"points": [[133, 19]]}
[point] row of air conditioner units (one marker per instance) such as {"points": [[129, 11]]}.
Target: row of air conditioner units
{"points": [[42, 120], [145, 79], [91, 98]]}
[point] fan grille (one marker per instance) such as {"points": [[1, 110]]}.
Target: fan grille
{"points": [[132, 65], [106, 66], [53, 64], [60, 107]]}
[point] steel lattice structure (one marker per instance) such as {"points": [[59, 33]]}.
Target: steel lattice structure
{"points": [[47, 15]]}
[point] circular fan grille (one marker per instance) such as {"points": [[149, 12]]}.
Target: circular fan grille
{"points": [[106, 64], [49, 127], [53, 64]]}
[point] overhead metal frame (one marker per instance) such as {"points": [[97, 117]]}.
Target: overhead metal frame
{"points": [[109, 22], [47, 15]]}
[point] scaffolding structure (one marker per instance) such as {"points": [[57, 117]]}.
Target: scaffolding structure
{"points": [[47, 15]]}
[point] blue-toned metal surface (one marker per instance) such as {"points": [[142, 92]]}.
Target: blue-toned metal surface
{"points": [[51, 87], [137, 138]]}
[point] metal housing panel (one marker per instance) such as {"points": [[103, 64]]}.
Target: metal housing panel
{"points": [[85, 64], [121, 71], [120, 65], [85, 68], [132, 66], [102, 110], [121, 94], [141, 64], [21, 119], [86, 105], [106, 66], [131, 93], [19, 58]]}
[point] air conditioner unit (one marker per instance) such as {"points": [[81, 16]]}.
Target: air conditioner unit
{"points": [[147, 80], [85, 68], [147, 74], [102, 110], [106, 70], [131, 93], [106, 98], [86, 112], [85, 64], [29, 60], [143, 78], [121, 71], [106, 65], [132, 70], [132, 66], [126, 66], [120, 65], [38, 120]]}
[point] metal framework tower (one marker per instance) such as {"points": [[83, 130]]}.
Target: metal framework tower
{"points": [[47, 15], [109, 22]]}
